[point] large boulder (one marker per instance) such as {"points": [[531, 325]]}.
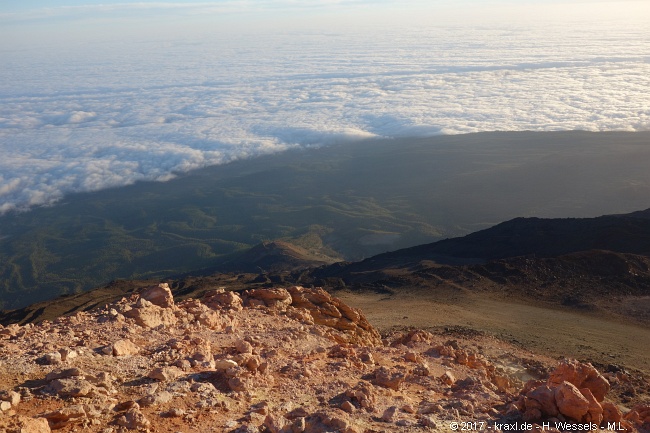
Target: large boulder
{"points": [[160, 295], [278, 299], [149, 315], [595, 412], [221, 299], [570, 401], [327, 310], [581, 376], [545, 397]]}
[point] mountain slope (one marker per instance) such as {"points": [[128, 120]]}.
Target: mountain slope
{"points": [[276, 256], [352, 200], [627, 233]]}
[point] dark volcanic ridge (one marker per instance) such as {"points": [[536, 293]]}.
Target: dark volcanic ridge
{"points": [[541, 237], [599, 280]]}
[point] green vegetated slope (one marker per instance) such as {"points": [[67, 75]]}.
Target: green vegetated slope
{"points": [[345, 201]]}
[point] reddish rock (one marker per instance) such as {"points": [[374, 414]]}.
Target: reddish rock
{"points": [[148, 315], [243, 346], [348, 407], [388, 379], [221, 299], [275, 424], [35, 425], [595, 412], [611, 413], [133, 419], [278, 299], [581, 376], [72, 387], [364, 394], [52, 358], [390, 414], [570, 401], [125, 348], [238, 384], [11, 397], [63, 374], [448, 378], [329, 311], [165, 374], [159, 295], [545, 397], [67, 354], [205, 315]]}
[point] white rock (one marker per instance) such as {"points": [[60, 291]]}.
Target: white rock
{"points": [[224, 364]]}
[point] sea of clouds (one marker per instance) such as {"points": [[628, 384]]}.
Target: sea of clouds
{"points": [[90, 116]]}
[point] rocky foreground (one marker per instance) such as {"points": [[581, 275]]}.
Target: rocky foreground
{"points": [[285, 360]]}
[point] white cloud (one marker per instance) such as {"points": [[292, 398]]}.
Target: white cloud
{"points": [[89, 117]]}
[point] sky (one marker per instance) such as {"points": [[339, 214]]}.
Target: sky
{"points": [[97, 94]]}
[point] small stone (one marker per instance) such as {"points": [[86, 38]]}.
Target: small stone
{"points": [[408, 408], [243, 346], [348, 407], [428, 421], [133, 419], [124, 348], [237, 384], [183, 364], [176, 412], [63, 374], [224, 364], [275, 424], [35, 425], [10, 396], [412, 357], [67, 354], [367, 358], [448, 378], [72, 387], [384, 377], [5, 406], [299, 425], [52, 358], [165, 374], [60, 418], [156, 399], [389, 414]]}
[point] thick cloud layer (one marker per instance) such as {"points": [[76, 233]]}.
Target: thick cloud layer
{"points": [[87, 117]]}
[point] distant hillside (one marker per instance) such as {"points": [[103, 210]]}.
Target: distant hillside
{"points": [[628, 233], [583, 263], [276, 256], [348, 201]]}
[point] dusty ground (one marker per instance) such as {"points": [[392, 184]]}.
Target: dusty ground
{"points": [[289, 361], [553, 332]]}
